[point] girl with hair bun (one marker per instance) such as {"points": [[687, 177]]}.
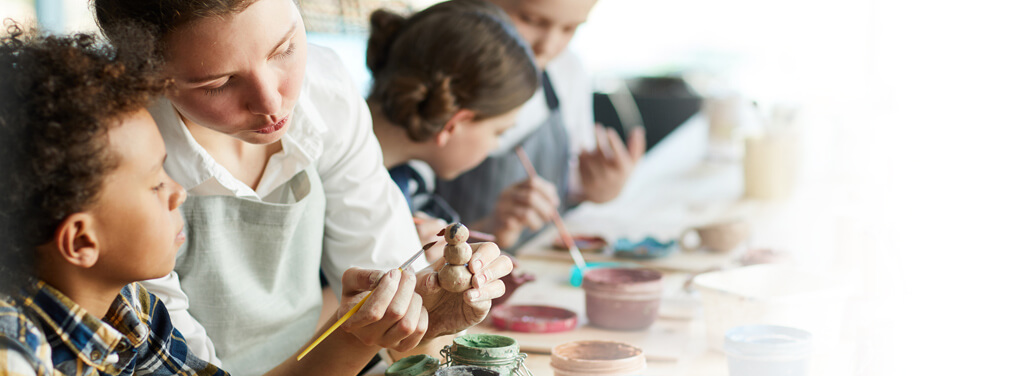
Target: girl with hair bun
{"points": [[447, 82], [575, 159]]}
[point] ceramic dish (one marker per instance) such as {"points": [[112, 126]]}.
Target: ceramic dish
{"points": [[586, 243], [648, 248], [533, 318]]}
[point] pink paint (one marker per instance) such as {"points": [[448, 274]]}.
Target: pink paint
{"points": [[623, 298], [533, 318], [593, 358]]}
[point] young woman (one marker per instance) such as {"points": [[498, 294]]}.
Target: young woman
{"points": [[447, 82], [275, 148], [555, 128]]}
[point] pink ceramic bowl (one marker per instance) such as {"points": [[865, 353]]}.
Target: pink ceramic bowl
{"points": [[533, 318]]}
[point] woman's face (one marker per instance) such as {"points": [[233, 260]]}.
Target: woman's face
{"points": [[240, 74], [470, 144]]}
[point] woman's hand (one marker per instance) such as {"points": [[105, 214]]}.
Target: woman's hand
{"points": [[392, 317], [451, 312], [529, 203], [604, 171]]}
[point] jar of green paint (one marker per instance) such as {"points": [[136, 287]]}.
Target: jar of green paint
{"points": [[499, 353]]}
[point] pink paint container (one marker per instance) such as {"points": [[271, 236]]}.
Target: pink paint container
{"points": [[623, 298], [597, 358]]}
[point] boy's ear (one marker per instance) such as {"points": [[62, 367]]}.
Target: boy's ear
{"points": [[77, 241], [460, 119]]}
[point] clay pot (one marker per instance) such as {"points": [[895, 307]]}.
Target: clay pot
{"points": [[597, 358], [717, 237], [622, 298]]}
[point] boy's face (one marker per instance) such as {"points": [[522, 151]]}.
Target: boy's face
{"points": [[547, 25], [139, 228]]}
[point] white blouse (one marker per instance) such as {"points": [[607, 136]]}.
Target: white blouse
{"points": [[368, 222]]}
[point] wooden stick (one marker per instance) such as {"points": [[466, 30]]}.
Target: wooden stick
{"points": [[356, 307], [574, 251]]}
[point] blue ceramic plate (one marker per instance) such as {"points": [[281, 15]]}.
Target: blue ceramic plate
{"points": [[649, 248]]}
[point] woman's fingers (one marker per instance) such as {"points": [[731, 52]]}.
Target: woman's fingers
{"points": [[376, 305], [356, 280], [490, 291], [393, 316], [413, 340], [407, 327], [488, 265]]}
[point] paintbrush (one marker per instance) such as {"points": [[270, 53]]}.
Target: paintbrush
{"points": [[405, 267], [574, 251], [481, 236]]}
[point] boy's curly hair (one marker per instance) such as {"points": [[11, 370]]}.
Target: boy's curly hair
{"points": [[59, 95]]}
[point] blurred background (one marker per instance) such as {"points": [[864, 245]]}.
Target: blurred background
{"points": [[901, 118]]}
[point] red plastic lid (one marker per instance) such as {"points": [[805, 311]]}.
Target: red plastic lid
{"points": [[533, 318]]}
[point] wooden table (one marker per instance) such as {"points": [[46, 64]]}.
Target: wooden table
{"points": [[673, 188]]}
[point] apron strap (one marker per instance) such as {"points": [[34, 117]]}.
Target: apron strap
{"points": [[549, 91]]}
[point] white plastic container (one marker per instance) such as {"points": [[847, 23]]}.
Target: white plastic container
{"points": [[767, 350], [775, 295]]}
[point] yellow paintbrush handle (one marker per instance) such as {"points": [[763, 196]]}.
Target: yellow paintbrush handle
{"points": [[335, 326]]}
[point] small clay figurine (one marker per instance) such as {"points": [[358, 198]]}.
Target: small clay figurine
{"points": [[454, 276], [456, 233], [457, 254]]}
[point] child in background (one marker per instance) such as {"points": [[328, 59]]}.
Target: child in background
{"points": [[87, 210], [447, 82], [576, 160]]}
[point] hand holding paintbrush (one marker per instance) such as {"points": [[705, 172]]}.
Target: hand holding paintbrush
{"points": [[563, 231], [450, 311], [371, 323]]}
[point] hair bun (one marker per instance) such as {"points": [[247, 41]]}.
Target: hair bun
{"points": [[422, 106], [384, 26]]}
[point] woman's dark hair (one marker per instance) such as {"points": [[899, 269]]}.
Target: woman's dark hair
{"points": [[458, 54], [163, 16], [59, 95]]}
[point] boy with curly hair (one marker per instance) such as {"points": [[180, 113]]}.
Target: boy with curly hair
{"points": [[86, 210]]}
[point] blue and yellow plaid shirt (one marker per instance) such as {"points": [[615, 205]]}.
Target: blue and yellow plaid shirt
{"points": [[43, 332]]}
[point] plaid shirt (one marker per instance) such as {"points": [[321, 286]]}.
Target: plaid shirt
{"points": [[45, 333]]}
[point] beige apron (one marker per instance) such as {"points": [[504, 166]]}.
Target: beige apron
{"points": [[250, 270]]}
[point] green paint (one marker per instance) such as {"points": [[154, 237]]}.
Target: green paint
{"points": [[485, 341], [499, 353], [416, 365]]}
